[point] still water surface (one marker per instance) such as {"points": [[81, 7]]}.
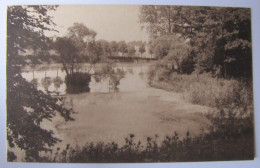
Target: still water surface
{"points": [[107, 115]]}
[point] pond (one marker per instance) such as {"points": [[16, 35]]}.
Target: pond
{"points": [[109, 115]]}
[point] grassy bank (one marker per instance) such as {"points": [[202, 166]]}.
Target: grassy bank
{"points": [[205, 90], [216, 146], [231, 101]]}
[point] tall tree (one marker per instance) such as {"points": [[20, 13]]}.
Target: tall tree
{"points": [[173, 51], [105, 47], [159, 19], [219, 36], [114, 47], [27, 107], [122, 47], [80, 33], [142, 49], [68, 53], [84, 39], [131, 51]]}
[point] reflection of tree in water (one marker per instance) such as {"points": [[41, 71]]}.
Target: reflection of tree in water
{"points": [[114, 79], [130, 70], [46, 82], [77, 83], [141, 74], [35, 83], [108, 71], [57, 81]]}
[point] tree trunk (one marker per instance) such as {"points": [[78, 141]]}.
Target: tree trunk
{"points": [[65, 68], [72, 68]]}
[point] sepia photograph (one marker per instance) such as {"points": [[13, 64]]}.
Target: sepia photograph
{"points": [[129, 84]]}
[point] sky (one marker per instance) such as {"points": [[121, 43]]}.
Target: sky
{"points": [[111, 22]]}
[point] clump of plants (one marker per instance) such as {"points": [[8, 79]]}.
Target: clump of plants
{"points": [[220, 143], [77, 82], [115, 77], [231, 134]]}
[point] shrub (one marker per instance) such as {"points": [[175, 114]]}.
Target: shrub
{"points": [[77, 82], [203, 89], [231, 135], [219, 144]]}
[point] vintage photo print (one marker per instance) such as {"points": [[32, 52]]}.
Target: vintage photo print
{"points": [[129, 84]]}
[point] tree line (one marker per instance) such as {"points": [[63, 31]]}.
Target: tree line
{"points": [[202, 39], [80, 45]]}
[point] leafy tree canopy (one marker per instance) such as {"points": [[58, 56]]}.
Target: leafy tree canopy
{"points": [[27, 107], [219, 37]]}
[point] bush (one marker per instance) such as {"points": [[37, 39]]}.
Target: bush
{"points": [[216, 145], [231, 135], [203, 89], [77, 82]]}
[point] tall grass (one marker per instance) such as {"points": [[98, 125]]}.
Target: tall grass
{"points": [[206, 147], [204, 89], [231, 114]]}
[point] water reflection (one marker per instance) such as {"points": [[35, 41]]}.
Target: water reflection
{"points": [[110, 113], [57, 81], [122, 78], [35, 83], [46, 83], [130, 70], [74, 89]]}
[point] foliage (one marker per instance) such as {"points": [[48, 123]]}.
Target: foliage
{"points": [[114, 47], [81, 34], [27, 107], [84, 40], [105, 48], [131, 51], [68, 52], [142, 49], [115, 77], [77, 82], [203, 89], [108, 70], [213, 146], [78, 46], [159, 18], [122, 47], [57, 81], [173, 52], [220, 37]]}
